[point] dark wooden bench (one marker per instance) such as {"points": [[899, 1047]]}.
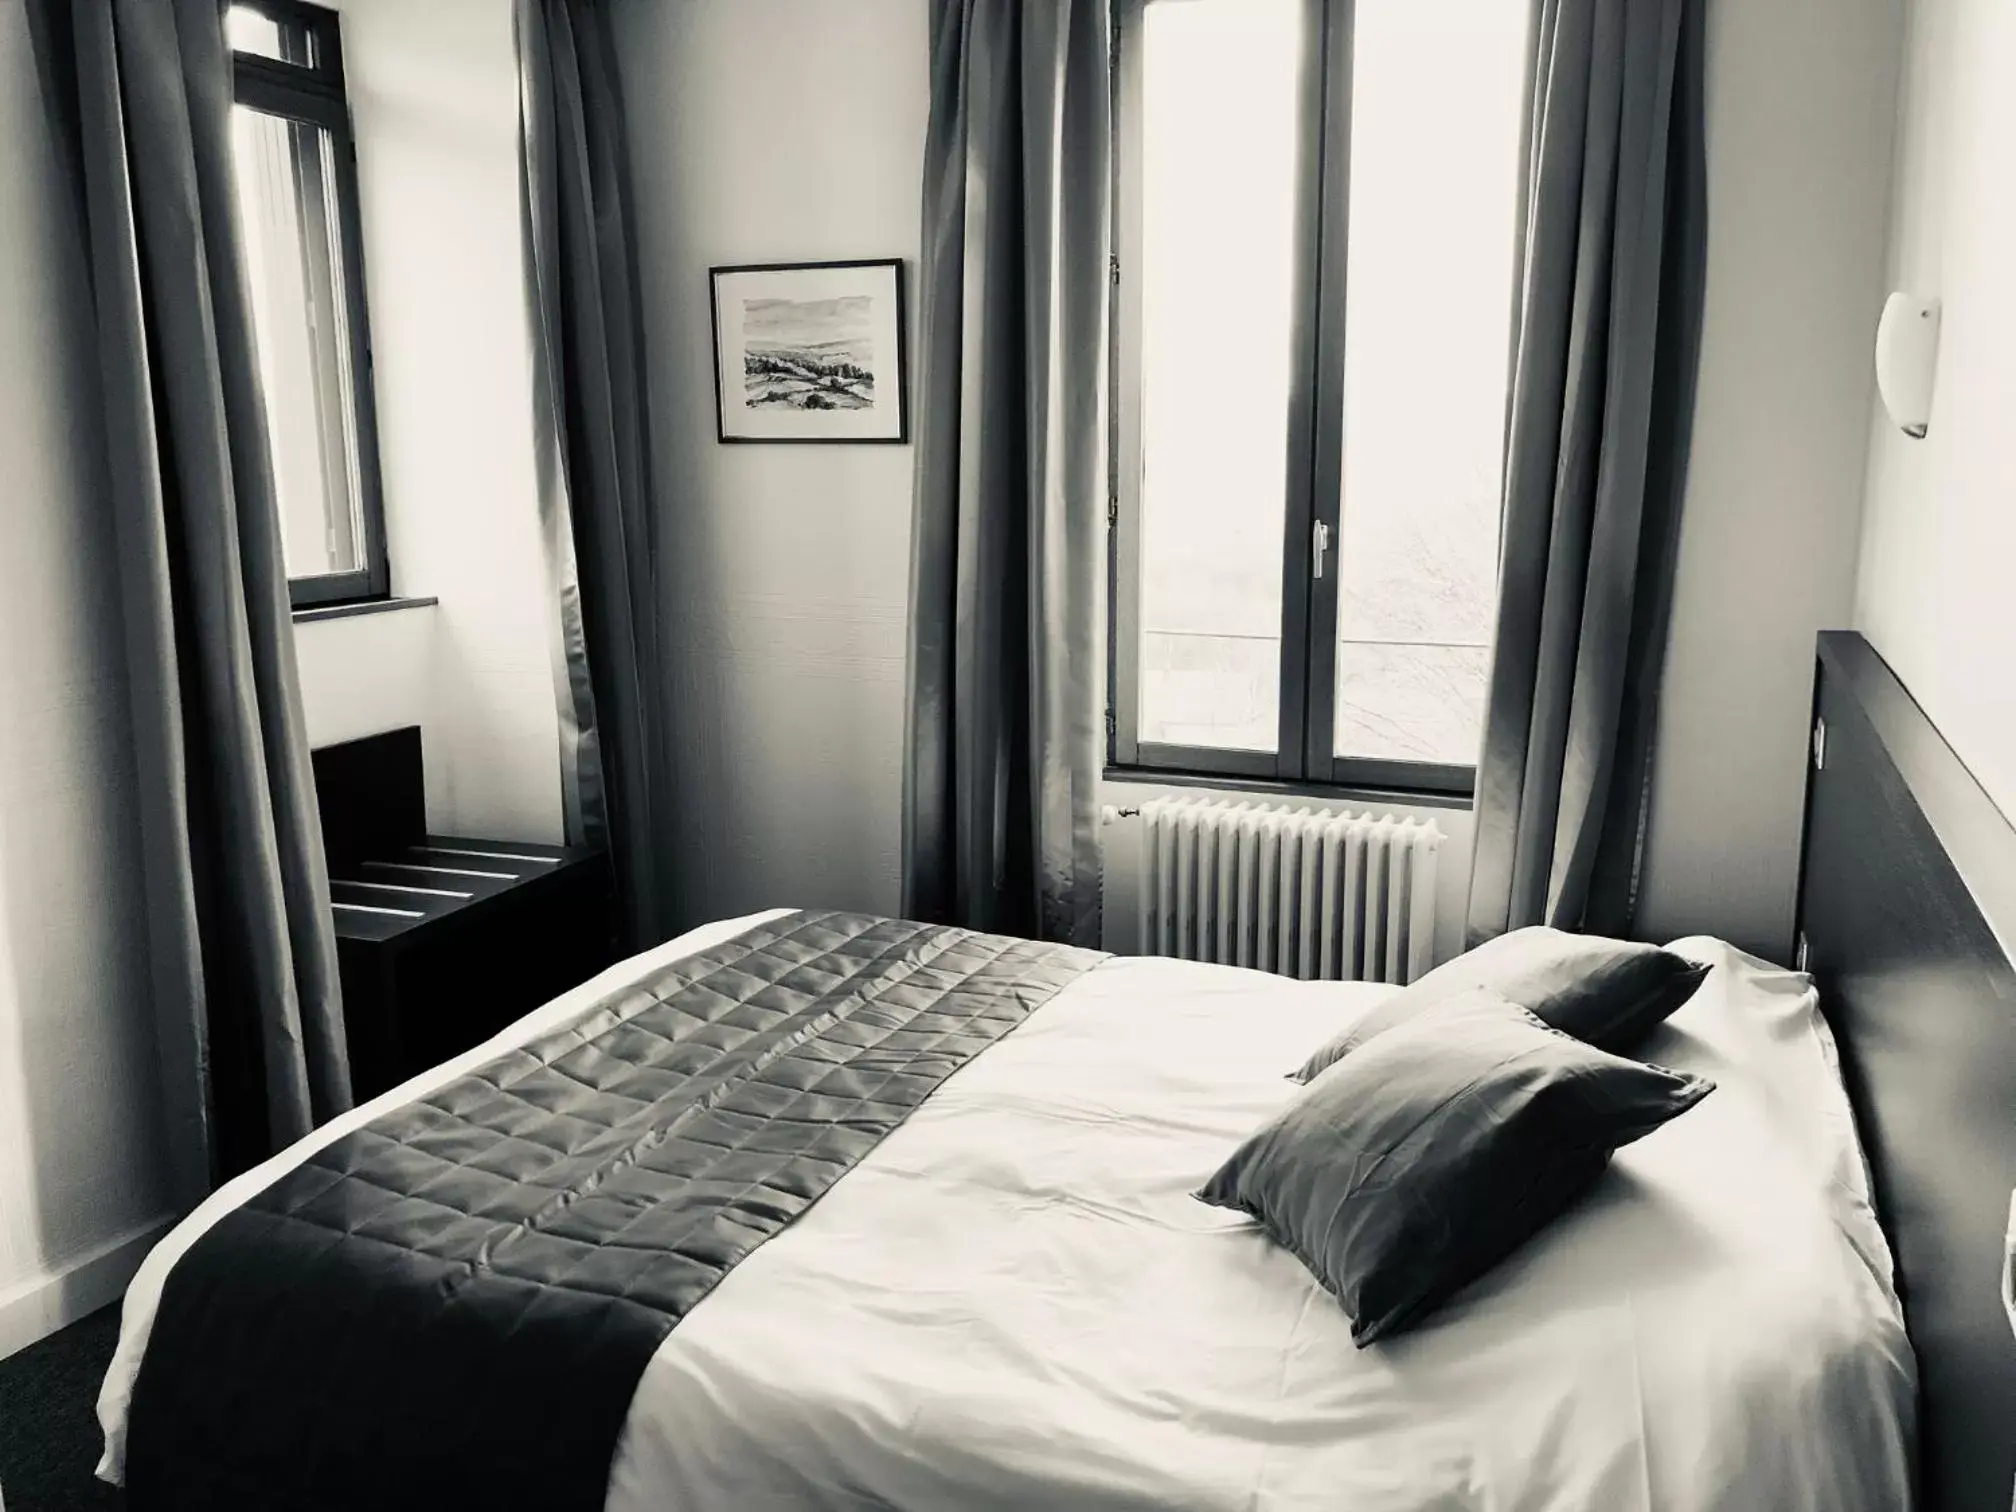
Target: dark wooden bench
{"points": [[443, 940]]}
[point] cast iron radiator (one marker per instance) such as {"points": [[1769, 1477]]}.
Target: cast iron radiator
{"points": [[1303, 891]]}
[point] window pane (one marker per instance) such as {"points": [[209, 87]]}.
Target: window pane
{"points": [[1218, 208], [1436, 103], [248, 31], [286, 180]]}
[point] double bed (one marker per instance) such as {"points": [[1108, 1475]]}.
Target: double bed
{"points": [[1006, 1295]]}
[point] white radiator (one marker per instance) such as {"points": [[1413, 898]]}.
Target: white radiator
{"points": [[1305, 892]]}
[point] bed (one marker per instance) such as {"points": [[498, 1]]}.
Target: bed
{"points": [[1010, 1298], [1013, 1299]]}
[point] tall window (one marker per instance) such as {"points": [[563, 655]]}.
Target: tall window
{"points": [[297, 201], [1315, 263]]}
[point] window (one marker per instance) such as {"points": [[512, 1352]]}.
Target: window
{"points": [[1317, 209], [297, 204]]}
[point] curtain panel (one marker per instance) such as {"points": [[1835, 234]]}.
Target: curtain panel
{"points": [[1004, 723], [1606, 346], [248, 1016], [592, 444]]}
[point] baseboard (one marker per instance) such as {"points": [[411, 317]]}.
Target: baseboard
{"points": [[35, 1308]]}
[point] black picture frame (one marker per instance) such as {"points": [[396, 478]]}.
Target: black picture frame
{"points": [[818, 274]]}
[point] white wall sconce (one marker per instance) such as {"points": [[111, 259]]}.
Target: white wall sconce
{"points": [[1907, 350]]}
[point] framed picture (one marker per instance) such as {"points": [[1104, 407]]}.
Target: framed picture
{"points": [[810, 352]]}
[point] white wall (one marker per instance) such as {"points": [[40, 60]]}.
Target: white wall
{"points": [[376, 672], [1937, 589], [434, 105], [774, 131], [1801, 107], [81, 1188]]}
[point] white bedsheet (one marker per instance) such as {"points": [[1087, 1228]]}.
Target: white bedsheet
{"points": [[1014, 1302]]}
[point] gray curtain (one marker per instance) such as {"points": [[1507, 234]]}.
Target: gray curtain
{"points": [[248, 1019], [1602, 399], [592, 445], [1005, 726]]}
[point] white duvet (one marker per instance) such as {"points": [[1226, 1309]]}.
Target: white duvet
{"points": [[1014, 1302]]}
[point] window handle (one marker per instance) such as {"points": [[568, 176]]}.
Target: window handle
{"points": [[1319, 548]]}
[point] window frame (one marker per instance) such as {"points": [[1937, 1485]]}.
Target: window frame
{"points": [[1304, 753], [315, 95]]}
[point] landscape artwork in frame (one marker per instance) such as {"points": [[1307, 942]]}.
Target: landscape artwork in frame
{"points": [[810, 352]]}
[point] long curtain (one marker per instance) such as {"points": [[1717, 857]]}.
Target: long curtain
{"points": [[1004, 721], [592, 446], [248, 1019], [1602, 396]]}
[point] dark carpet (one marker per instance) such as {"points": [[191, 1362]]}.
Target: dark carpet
{"points": [[49, 1439]]}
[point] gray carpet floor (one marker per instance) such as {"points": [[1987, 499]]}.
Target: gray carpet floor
{"points": [[48, 1420]]}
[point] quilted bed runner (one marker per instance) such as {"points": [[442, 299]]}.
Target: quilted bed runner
{"points": [[452, 1306]]}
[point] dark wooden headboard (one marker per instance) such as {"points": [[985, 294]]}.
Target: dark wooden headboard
{"points": [[1907, 919]]}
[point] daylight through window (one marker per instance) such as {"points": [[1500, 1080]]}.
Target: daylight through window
{"points": [[1314, 309], [297, 209]]}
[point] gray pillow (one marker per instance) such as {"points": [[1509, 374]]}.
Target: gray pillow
{"points": [[1410, 1168], [1607, 993]]}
